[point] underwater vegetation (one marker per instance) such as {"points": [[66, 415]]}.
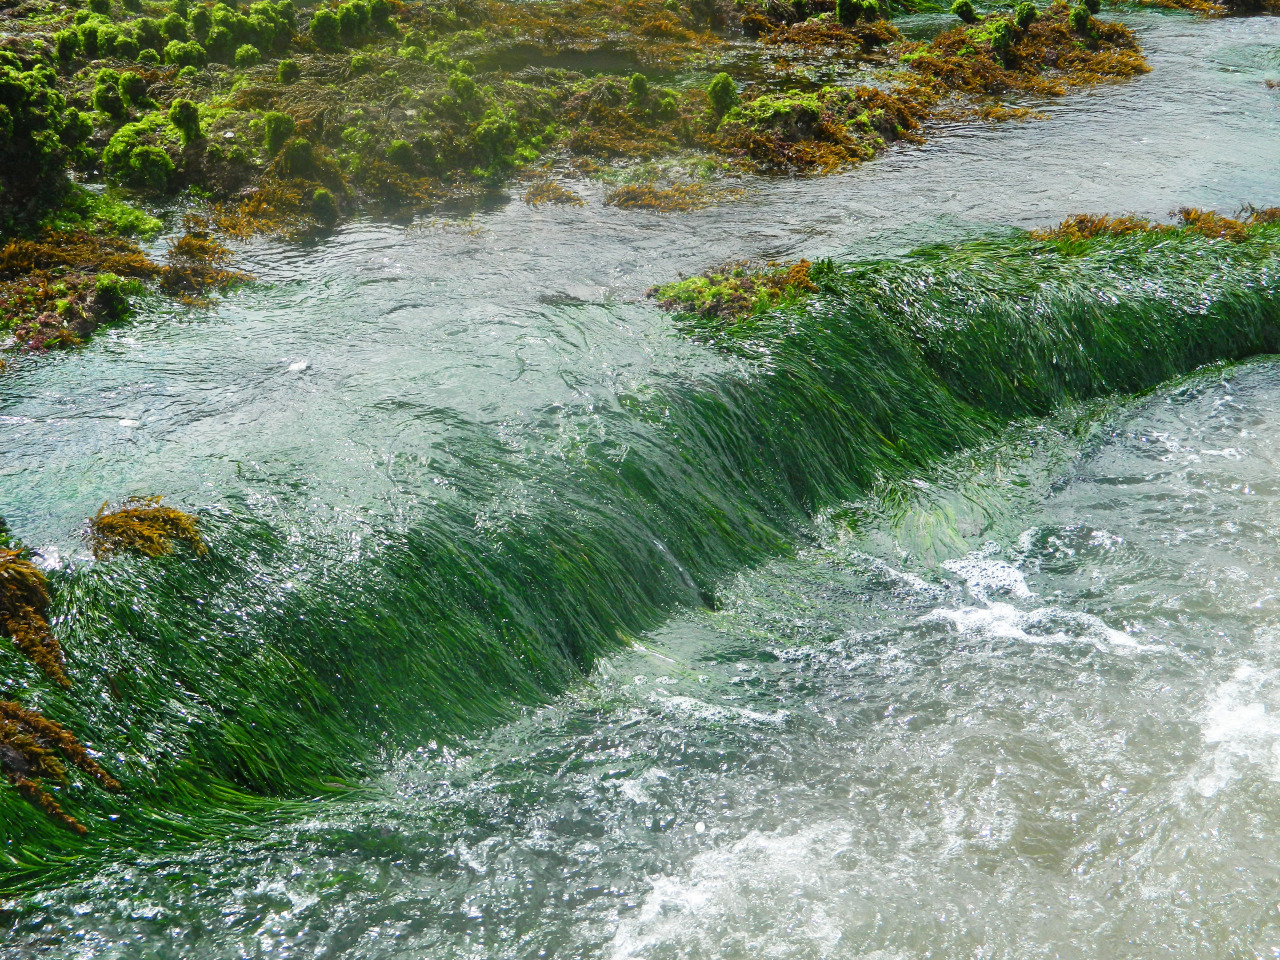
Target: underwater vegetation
{"points": [[1206, 223], [551, 191], [738, 290], [24, 607], [33, 749], [1217, 8], [458, 620], [673, 198], [31, 745], [57, 286], [726, 300]]}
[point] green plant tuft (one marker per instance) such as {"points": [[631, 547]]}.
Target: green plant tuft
{"points": [[638, 88], [133, 88], [184, 54], [400, 153], [325, 31], [247, 55], [723, 93], [323, 208], [185, 118], [277, 128]]}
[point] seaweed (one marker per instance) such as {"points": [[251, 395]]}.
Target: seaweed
{"points": [[675, 198], [24, 607], [727, 300], [59, 286], [551, 191], [1083, 227], [196, 263], [34, 749], [996, 57], [738, 290], [142, 525]]}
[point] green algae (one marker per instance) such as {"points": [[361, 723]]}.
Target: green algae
{"points": [[209, 715], [742, 290], [444, 77]]}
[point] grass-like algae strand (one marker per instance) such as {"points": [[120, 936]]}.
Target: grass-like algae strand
{"points": [[452, 623]]}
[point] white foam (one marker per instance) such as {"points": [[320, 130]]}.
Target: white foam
{"points": [[636, 789], [740, 897], [715, 713], [1241, 728], [904, 578], [1050, 624], [984, 574]]}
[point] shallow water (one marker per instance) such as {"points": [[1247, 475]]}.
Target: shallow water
{"points": [[1022, 709], [341, 381]]}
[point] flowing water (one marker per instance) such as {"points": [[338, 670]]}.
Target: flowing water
{"points": [[1017, 707], [1061, 741]]}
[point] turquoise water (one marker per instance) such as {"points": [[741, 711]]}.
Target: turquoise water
{"points": [[1016, 707]]}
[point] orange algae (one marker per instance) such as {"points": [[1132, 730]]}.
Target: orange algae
{"points": [[197, 264], [1206, 7], [24, 605], [677, 198], [1084, 226], [957, 75], [551, 191], [34, 749], [142, 525], [644, 31], [828, 37], [1213, 225], [604, 121], [273, 210], [1212, 9]]}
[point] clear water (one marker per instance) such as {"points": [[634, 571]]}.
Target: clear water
{"points": [[1024, 708], [343, 385], [1028, 710]]}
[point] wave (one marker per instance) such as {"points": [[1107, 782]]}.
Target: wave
{"points": [[225, 689]]}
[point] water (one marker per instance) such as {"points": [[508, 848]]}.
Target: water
{"points": [[1022, 707], [342, 381], [1025, 709]]}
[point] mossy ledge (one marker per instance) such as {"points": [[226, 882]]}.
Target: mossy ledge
{"points": [[725, 304], [284, 118]]}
